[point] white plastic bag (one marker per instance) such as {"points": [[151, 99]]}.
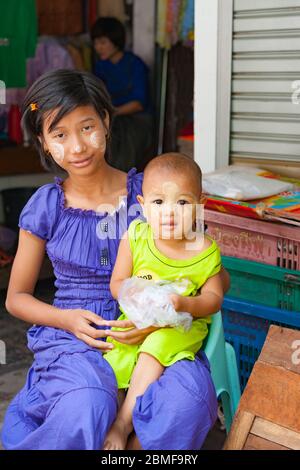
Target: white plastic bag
{"points": [[242, 183], [146, 303]]}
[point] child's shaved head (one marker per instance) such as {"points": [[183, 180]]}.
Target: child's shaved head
{"points": [[177, 163]]}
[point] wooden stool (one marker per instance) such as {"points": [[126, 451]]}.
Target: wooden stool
{"points": [[268, 415]]}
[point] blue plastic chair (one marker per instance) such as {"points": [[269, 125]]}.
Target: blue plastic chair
{"points": [[224, 371]]}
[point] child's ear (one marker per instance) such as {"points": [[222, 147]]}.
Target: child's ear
{"points": [[140, 199]]}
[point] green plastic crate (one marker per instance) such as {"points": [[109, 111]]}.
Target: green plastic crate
{"points": [[263, 284]]}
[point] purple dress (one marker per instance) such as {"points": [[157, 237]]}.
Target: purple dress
{"points": [[69, 400]]}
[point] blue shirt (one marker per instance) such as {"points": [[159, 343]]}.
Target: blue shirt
{"points": [[126, 81]]}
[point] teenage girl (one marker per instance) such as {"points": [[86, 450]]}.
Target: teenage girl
{"points": [[69, 400]]}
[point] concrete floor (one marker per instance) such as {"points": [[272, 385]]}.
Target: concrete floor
{"points": [[18, 359]]}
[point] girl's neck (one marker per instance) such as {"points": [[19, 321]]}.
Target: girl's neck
{"points": [[96, 184]]}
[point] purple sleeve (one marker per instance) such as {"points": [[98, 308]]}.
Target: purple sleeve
{"points": [[135, 210], [39, 214], [137, 182]]}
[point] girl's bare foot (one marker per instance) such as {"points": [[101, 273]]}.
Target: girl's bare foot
{"points": [[117, 436], [133, 443]]}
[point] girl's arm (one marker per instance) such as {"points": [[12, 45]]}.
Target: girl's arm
{"points": [[21, 303], [123, 266], [129, 108], [208, 302], [24, 275]]}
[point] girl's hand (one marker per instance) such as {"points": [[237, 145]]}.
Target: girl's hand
{"points": [[78, 322], [131, 336]]}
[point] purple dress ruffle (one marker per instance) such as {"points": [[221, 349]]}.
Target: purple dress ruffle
{"points": [[69, 400]]}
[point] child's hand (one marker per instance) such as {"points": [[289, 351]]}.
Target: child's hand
{"points": [[120, 324], [177, 302], [133, 335]]}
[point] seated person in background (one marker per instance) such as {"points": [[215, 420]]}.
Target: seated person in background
{"points": [[126, 78]]}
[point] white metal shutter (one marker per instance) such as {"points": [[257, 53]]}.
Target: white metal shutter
{"points": [[265, 124]]}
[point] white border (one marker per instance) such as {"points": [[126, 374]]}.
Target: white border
{"points": [[212, 90]]}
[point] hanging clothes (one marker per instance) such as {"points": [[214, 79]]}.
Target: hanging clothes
{"points": [[86, 52], [115, 9], [50, 55], [175, 22], [162, 38], [175, 9], [187, 26], [14, 96], [60, 17], [76, 56], [18, 38], [92, 12]]}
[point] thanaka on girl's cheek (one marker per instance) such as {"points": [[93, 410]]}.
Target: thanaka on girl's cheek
{"points": [[98, 141], [57, 151]]}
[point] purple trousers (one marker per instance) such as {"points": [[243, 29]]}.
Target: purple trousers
{"points": [[69, 400]]}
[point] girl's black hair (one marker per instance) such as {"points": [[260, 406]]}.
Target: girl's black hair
{"points": [[63, 90], [110, 28]]}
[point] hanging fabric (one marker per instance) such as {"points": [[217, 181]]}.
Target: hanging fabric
{"points": [[187, 26], [60, 17], [162, 38], [50, 55], [175, 22], [92, 6], [18, 38], [175, 15], [115, 9]]}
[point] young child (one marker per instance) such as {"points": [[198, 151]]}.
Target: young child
{"points": [[167, 247]]}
